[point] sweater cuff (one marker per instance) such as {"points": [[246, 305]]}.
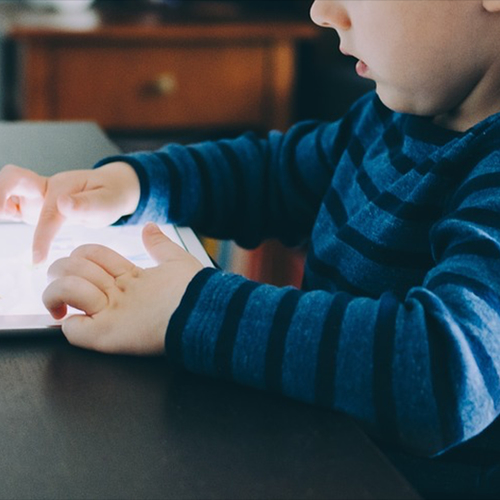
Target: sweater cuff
{"points": [[173, 336]]}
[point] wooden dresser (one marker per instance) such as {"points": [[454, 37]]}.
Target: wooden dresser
{"points": [[152, 71]]}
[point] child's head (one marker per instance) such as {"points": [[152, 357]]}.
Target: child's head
{"points": [[438, 58]]}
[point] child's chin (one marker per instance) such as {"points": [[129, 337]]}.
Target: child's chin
{"points": [[399, 103]]}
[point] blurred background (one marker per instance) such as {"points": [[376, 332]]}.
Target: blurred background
{"points": [[153, 71]]}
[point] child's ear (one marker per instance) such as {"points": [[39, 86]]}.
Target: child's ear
{"points": [[491, 5]]}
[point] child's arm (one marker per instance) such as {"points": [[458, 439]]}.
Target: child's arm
{"points": [[246, 189], [419, 371], [91, 197]]}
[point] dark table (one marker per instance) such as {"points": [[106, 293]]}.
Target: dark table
{"points": [[78, 424]]}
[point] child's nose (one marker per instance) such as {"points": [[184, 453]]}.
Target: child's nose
{"points": [[330, 14]]}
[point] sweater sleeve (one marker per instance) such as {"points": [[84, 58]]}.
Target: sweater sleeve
{"points": [[420, 371], [247, 189]]}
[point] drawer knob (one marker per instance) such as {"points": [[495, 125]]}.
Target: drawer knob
{"points": [[165, 84]]}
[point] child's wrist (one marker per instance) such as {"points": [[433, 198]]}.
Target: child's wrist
{"points": [[127, 182]]}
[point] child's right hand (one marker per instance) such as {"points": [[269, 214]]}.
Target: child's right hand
{"points": [[93, 198]]}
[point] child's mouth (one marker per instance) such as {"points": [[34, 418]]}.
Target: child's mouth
{"points": [[361, 68]]}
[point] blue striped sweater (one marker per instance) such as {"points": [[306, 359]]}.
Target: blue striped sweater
{"points": [[398, 320]]}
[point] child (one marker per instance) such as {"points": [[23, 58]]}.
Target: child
{"points": [[398, 319]]}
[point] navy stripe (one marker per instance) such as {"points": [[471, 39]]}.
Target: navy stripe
{"points": [[206, 188], [275, 196], [367, 186], [418, 129], [277, 339], [335, 207], [488, 249], [333, 274], [178, 321], [382, 112], [237, 192], [223, 355], [387, 256], [328, 349], [484, 360], [477, 152], [175, 210], [478, 216], [298, 183], [401, 163], [447, 374], [383, 361], [325, 161], [406, 210], [392, 137], [480, 151], [342, 138], [356, 151], [265, 223], [479, 289], [478, 183], [449, 169], [487, 367], [425, 167], [393, 140]]}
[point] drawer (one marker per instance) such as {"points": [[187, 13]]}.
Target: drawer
{"points": [[153, 87]]}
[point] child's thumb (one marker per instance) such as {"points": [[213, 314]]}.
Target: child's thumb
{"points": [[158, 245]]}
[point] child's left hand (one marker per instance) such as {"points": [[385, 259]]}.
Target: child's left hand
{"points": [[126, 309]]}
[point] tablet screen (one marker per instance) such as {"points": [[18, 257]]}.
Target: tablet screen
{"points": [[22, 283]]}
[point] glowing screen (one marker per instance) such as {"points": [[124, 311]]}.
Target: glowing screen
{"points": [[22, 283]]}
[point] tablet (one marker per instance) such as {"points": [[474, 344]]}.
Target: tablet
{"points": [[22, 283]]}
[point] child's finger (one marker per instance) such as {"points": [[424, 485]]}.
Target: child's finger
{"points": [[158, 245], [11, 210], [49, 223], [88, 332], [75, 292], [20, 181], [79, 330], [83, 268], [109, 260]]}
